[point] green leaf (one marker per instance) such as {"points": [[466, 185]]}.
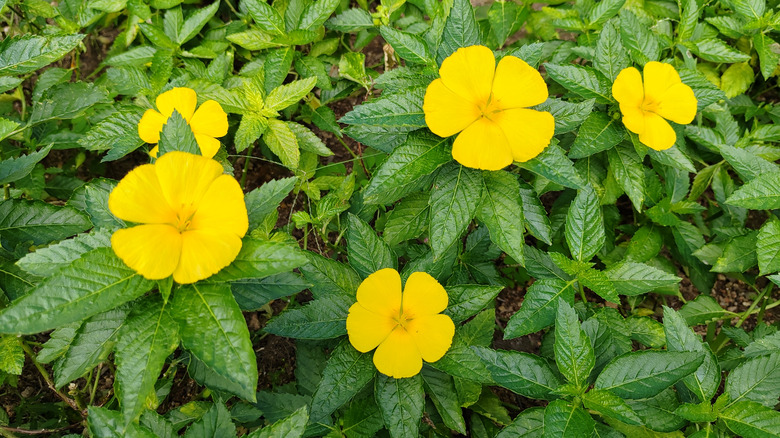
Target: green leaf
{"points": [[213, 329], [573, 350], [148, 337], [598, 133], [632, 278], [440, 387], [265, 17], [715, 50], [292, 426], [505, 19], [13, 169], [610, 405], [195, 22], [308, 141], [281, 97], [539, 307], [317, 13], [261, 258], [265, 199], [737, 79], [768, 248], [641, 42], [91, 344], [66, 101], [330, 277], [419, 156], [408, 220], [6, 128], [757, 380], [460, 30], [282, 142], [104, 423], [11, 355], [408, 46], [603, 11], [96, 282], [466, 300], [367, 252], [739, 255], [679, 337], [626, 167], [568, 115], [501, 210], [177, 135], [352, 20], [253, 294], [703, 310], [27, 53], [584, 81], [116, 133], [751, 420], [535, 216], [761, 193], [567, 421], [644, 374], [58, 343], [402, 111], [401, 402], [463, 363], [323, 318], [455, 197], [216, 423], [345, 374], [522, 373], [527, 424], [769, 59], [585, 225], [554, 165], [251, 127]]}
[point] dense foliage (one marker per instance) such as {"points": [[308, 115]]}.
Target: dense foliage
{"points": [[590, 282]]}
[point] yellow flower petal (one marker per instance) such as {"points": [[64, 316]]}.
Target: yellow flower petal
{"points": [[658, 134], [380, 293], [185, 178], [209, 146], [222, 208], [482, 145], [153, 151], [151, 250], [139, 198], [423, 296], [433, 335], [678, 104], [446, 113], [366, 329], [628, 89], [517, 84], [659, 77], [184, 100], [398, 355], [204, 253], [528, 131], [633, 118], [210, 119], [150, 126], [469, 73]]}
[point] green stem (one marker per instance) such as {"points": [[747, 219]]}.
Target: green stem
{"points": [[582, 292], [246, 166]]}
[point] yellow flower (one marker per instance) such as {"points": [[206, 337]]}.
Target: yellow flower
{"points": [[405, 328], [208, 122], [490, 105], [192, 218], [645, 106]]}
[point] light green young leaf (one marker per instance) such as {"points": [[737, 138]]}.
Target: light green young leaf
{"points": [[282, 142], [30, 52], [11, 355], [281, 97], [632, 278]]}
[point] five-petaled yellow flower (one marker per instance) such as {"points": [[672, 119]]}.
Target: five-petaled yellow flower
{"points": [[208, 122], [645, 106], [191, 218], [490, 105], [405, 328]]}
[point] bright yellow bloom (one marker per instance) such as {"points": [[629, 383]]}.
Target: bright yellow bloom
{"points": [[208, 122], [191, 218], [490, 105], [405, 328], [645, 106]]}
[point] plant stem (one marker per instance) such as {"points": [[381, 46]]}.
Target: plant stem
{"points": [[69, 401], [246, 165]]}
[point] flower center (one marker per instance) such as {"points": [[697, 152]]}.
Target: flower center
{"points": [[402, 320], [490, 108], [649, 105], [184, 218]]}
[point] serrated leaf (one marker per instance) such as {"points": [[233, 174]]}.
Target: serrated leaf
{"points": [[573, 350], [584, 81], [408, 46], [632, 278], [460, 30], [30, 52], [177, 135], [92, 344], [94, 283], [66, 101], [401, 402], [679, 337], [751, 420], [13, 169], [147, 338], [11, 355], [58, 343], [610, 56], [105, 423], [641, 42], [606, 403], [766, 55], [213, 329], [38, 222], [215, 423], [330, 277], [539, 307], [253, 294], [535, 216], [265, 199], [522, 373], [292, 426], [584, 230], [505, 18], [702, 310], [440, 388], [261, 258], [598, 132], [321, 319], [463, 363], [308, 141], [644, 374], [626, 167], [762, 193], [715, 50], [455, 197], [351, 20], [195, 22], [345, 374], [501, 211], [466, 300], [317, 13], [367, 252], [768, 248], [281, 97], [568, 115], [564, 420], [265, 16], [554, 165], [757, 380], [408, 220], [282, 142], [402, 111]]}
